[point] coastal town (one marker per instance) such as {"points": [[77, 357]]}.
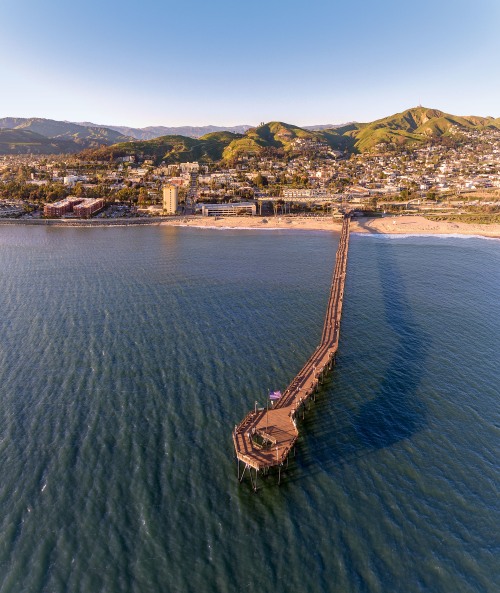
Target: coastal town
{"points": [[437, 178], [249, 270]]}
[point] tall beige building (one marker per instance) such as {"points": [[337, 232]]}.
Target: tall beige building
{"points": [[170, 199]]}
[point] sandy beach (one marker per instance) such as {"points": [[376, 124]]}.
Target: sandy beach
{"points": [[404, 225], [389, 225]]}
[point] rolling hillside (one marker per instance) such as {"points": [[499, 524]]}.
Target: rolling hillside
{"points": [[172, 149], [271, 135], [410, 127]]}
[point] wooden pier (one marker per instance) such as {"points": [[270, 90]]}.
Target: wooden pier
{"points": [[265, 437]]}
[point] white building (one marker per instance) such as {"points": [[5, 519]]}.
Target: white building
{"points": [[189, 167], [70, 180]]}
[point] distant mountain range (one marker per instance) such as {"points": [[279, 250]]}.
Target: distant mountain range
{"points": [[28, 142], [411, 127], [54, 137], [319, 127], [152, 132], [69, 136]]}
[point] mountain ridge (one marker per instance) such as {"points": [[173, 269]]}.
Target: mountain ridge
{"points": [[414, 125], [82, 136], [411, 127], [151, 132], [15, 141]]}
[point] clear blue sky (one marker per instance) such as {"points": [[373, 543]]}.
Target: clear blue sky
{"points": [[231, 62]]}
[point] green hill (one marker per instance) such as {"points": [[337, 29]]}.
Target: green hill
{"points": [[271, 135], [408, 128], [172, 149], [216, 142], [411, 127]]}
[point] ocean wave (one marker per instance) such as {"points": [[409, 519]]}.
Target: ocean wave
{"points": [[423, 235]]}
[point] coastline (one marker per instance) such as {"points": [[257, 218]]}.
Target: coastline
{"points": [[388, 225], [419, 225], [74, 222]]}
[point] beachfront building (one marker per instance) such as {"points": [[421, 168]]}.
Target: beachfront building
{"points": [[170, 199], [87, 207], [230, 209], [61, 207]]}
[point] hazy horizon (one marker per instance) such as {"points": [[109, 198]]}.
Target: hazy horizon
{"points": [[231, 125]]}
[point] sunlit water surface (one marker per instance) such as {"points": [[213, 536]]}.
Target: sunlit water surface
{"points": [[128, 354]]}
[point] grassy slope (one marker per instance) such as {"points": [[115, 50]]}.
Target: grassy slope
{"points": [[173, 149], [412, 126], [271, 135], [409, 127]]}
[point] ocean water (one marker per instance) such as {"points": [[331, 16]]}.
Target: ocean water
{"points": [[128, 354]]}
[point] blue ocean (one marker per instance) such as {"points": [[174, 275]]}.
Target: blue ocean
{"points": [[128, 354]]}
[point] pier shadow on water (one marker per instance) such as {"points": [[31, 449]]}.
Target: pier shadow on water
{"points": [[338, 432], [396, 413]]}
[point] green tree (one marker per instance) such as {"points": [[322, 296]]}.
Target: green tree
{"points": [[260, 180], [143, 196], [79, 190]]}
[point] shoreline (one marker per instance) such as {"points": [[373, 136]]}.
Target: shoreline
{"points": [[389, 225], [413, 225], [104, 222]]}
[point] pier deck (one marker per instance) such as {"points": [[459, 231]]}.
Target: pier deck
{"points": [[264, 438]]}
